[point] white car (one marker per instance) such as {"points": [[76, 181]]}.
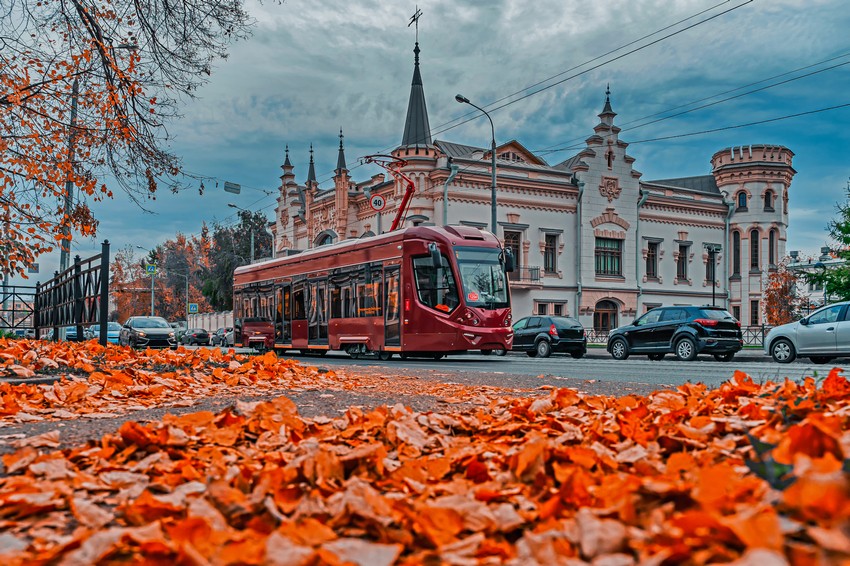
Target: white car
{"points": [[821, 336]]}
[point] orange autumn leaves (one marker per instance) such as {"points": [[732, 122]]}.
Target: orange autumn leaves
{"points": [[566, 478]]}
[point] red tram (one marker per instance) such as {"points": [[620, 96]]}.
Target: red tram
{"points": [[424, 291]]}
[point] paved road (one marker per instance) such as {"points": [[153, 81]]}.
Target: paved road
{"points": [[514, 370]]}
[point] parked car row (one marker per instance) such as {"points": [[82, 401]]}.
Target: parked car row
{"points": [[683, 331]]}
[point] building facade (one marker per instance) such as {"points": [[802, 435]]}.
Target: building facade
{"points": [[591, 238]]}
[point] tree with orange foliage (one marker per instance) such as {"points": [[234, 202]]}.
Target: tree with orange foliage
{"points": [[86, 89], [781, 303]]}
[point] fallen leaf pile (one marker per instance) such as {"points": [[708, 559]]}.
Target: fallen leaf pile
{"points": [[745, 473], [104, 382]]}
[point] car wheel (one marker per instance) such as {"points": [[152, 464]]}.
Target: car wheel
{"points": [[782, 351], [820, 359], [531, 353], [727, 357], [578, 354], [686, 349], [656, 357], [619, 349], [543, 349]]}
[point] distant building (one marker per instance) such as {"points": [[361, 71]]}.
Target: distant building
{"points": [[812, 295], [592, 240]]}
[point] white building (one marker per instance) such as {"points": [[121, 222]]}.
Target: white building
{"points": [[591, 238]]}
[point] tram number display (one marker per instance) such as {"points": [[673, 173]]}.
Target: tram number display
{"points": [[377, 202]]}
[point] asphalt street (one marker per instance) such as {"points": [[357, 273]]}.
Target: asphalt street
{"points": [[514, 369]]}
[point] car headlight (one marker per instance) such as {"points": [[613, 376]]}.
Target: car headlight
{"points": [[142, 334], [171, 335]]}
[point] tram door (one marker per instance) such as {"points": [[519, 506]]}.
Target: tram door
{"points": [[283, 317], [392, 306], [317, 311]]}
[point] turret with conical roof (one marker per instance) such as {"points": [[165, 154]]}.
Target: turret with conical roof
{"points": [[417, 131], [340, 161], [607, 114]]}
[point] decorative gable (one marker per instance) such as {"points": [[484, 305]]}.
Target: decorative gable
{"points": [[515, 152]]}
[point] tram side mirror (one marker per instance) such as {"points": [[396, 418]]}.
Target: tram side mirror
{"points": [[436, 260], [508, 260]]}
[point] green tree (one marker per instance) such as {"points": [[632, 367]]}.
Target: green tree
{"points": [[230, 248], [836, 279]]}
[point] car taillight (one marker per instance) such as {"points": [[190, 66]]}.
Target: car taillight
{"points": [[710, 322], [738, 322], [552, 330]]}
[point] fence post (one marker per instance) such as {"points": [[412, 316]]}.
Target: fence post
{"points": [[104, 290], [78, 298], [36, 311], [54, 309]]}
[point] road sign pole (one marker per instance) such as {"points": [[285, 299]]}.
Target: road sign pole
{"points": [[153, 275]]}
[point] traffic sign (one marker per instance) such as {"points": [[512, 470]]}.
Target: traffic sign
{"points": [[150, 268], [377, 202], [234, 188], [193, 308]]}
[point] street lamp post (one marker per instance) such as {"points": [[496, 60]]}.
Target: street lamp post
{"points": [[463, 100], [820, 265], [231, 205], [153, 277], [713, 250]]}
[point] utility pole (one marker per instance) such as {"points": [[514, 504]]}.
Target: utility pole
{"points": [[69, 182]]}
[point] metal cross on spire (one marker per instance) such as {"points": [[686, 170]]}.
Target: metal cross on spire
{"points": [[414, 19]]}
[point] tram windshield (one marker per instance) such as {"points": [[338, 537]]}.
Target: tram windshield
{"points": [[482, 277]]}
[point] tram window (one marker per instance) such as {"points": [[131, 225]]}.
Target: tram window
{"points": [[436, 288], [299, 311]]}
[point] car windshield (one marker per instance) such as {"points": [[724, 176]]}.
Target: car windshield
{"points": [[110, 327], [150, 323], [482, 277], [716, 314], [565, 321]]}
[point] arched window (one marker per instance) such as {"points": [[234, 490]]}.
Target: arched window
{"points": [[768, 201], [736, 253], [605, 316], [742, 200], [754, 249], [771, 248], [324, 239]]}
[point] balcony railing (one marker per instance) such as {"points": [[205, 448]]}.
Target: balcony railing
{"points": [[525, 274]]}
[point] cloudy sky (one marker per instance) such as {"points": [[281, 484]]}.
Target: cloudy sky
{"points": [[312, 68]]}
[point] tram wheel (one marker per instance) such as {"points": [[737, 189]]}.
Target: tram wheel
{"points": [[385, 356]]}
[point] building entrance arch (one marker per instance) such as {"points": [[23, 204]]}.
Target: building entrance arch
{"points": [[605, 316]]}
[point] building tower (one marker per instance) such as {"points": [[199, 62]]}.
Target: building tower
{"points": [[755, 181]]}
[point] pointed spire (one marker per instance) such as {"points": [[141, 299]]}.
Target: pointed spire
{"points": [[607, 110], [311, 173], [340, 161], [417, 131], [286, 162]]}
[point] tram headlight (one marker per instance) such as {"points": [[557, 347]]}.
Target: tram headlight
{"points": [[508, 319]]}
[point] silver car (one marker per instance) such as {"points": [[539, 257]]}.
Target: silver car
{"points": [[821, 336]]}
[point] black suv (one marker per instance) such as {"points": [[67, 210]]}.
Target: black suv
{"points": [[684, 331], [542, 335]]}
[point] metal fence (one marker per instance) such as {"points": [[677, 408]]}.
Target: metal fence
{"points": [[79, 296], [16, 309], [753, 335]]}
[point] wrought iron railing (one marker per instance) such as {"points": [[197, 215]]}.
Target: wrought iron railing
{"points": [[525, 274], [79, 296], [16, 309]]}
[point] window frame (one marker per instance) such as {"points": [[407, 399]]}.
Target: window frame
{"points": [[608, 260]]}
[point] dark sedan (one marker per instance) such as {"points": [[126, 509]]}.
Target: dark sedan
{"points": [[147, 332], [195, 336], [542, 335]]}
